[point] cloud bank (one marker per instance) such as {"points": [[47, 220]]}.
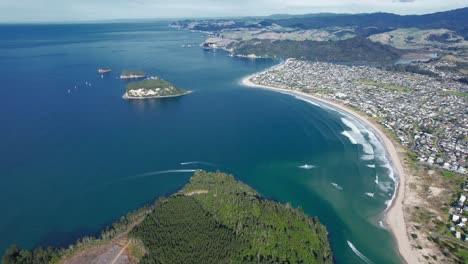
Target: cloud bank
{"points": [[70, 10]]}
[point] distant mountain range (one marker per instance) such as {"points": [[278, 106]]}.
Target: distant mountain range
{"points": [[377, 38], [456, 20]]}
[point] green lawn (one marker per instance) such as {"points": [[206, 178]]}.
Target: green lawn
{"points": [[463, 254], [460, 94]]}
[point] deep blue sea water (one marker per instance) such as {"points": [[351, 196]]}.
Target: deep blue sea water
{"points": [[75, 156]]}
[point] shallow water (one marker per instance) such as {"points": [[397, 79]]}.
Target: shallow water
{"points": [[76, 156]]}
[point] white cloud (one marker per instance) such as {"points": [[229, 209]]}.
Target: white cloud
{"points": [[59, 10]]}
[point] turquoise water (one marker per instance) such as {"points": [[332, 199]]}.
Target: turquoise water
{"points": [[75, 159]]}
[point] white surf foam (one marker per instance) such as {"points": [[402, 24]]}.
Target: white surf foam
{"points": [[356, 136], [370, 194], [376, 179], [359, 254], [348, 135], [307, 166], [308, 101], [391, 172], [337, 186], [382, 225], [371, 165]]}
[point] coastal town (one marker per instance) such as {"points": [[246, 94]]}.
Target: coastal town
{"points": [[426, 114]]}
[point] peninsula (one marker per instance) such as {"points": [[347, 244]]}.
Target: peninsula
{"points": [[132, 74], [213, 219], [152, 88]]}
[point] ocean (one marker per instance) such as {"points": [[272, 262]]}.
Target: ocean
{"points": [[75, 156]]}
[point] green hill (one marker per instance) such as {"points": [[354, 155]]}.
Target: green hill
{"points": [[355, 50], [152, 88], [216, 219]]}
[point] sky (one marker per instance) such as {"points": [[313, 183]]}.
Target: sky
{"points": [[83, 10]]}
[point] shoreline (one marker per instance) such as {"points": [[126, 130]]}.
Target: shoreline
{"points": [[394, 216], [126, 97]]}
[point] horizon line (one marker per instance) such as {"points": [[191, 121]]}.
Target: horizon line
{"points": [[117, 20]]}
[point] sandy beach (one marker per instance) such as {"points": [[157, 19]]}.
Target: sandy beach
{"points": [[394, 217]]}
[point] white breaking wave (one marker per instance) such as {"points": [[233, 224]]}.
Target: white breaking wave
{"points": [[348, 135], [370, 194], [385, 186], [391, 172], [198, 162], [382, 225], [356, 137], [307, 166], [376, 179], [308, 101], [337, 186], [371, 165], [359, 254]]}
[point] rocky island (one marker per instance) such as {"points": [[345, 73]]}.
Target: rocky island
{"points": [[213, 219], [132, 74], [152, 88]]}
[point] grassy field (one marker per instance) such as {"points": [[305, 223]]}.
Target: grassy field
{"points": [[459, 94], [388, 86]]}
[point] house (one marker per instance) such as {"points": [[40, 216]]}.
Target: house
{"points": [[455, 218], [458, 235], [462, 199]]}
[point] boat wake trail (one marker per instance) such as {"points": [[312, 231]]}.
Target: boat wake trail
{"points": [[307, 167], [337, 186], [198, 162], [152, 173], [359, 254]]}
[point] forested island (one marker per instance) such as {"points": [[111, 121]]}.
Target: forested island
{"points": [[152, 88], [213, 219]]}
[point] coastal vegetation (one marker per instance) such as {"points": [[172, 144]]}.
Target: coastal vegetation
{"points": [[216, 219], [152, 88], [213, 219], [353, 50], [411, 68]]}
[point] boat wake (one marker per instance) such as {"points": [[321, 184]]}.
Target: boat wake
{"points": [[152, 173], [307, 166], [337, 186], [198, 162], [359, 254]]}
